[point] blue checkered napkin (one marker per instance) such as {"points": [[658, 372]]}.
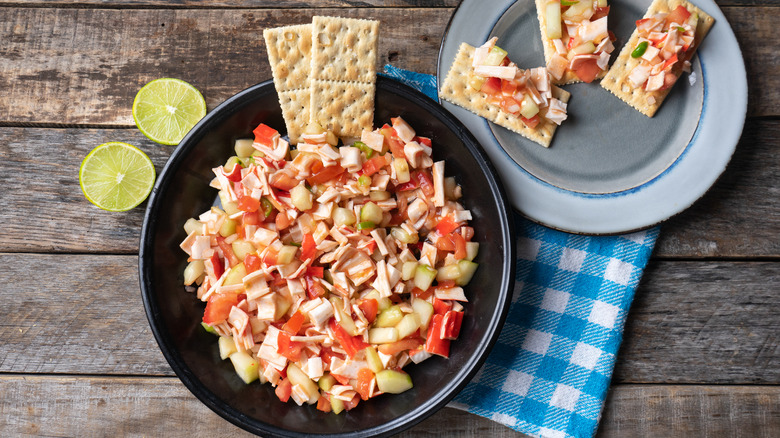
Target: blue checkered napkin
{"points": [[549, 372]]}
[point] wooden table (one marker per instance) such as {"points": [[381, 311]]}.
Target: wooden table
{"points": [[700, 356]]}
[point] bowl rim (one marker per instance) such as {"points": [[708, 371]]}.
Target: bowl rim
{"points": [[410, 418]]}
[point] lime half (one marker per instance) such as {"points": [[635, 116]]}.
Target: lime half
{"points": [[116, 176], [166, 109]]}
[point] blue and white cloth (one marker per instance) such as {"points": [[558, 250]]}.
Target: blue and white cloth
{"points": [[549, 372]]}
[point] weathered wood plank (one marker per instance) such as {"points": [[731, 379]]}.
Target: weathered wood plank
{"points": [[737, 218], [246, 4], [90, 63], [692, 322], [100, 406], [90, 66]]}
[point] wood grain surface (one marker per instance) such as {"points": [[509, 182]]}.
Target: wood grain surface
{"points": [[220, 52], [131, 406]]}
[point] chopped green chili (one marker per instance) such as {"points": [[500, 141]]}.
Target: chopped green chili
{"points": [[640, 50]]}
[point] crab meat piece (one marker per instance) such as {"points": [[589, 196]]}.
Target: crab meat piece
{"points": [[404, 131], [372, 139], [507, 72]]}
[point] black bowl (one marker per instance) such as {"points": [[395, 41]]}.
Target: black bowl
{"points": [[182, 191]]}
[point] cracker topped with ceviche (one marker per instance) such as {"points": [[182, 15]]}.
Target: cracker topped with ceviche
{"points": [[329, 268], [486, 82], [577, 43], [657, 54]]}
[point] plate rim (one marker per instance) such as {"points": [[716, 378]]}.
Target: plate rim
{"points": [[613, 213]]}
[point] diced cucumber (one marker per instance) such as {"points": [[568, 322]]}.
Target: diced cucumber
{"points": [[244, 148], [231, 163], [553, 19], [401, 167], [343, 216], [326, 382], [235, 275], [467, 269], [495, 56], [389, 317], [584, 48], [409, 324], [379, 195], [371, 213], [241, 248], [450, 185], [336, 405], [403, 236], [577, 11], [226, 347], [246, 366], [424, 310], [449, 272], [372, 357], [193, 271], [472, 249], [423, 276], [231, 207], [383, 302], [228, 228], [208, 328], [298, 377], [601, 3], [407, 270], [382, 335], [193, 225], [528, 108], [345, 319], [301, 197], [286, 254], [476, 81], [393, 382]]}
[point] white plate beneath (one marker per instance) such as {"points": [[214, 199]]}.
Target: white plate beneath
{"points": [[609, 169]]}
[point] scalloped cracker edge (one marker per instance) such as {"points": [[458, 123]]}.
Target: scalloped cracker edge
{"points": [[457, 90], [616, 79], [289, 53]]}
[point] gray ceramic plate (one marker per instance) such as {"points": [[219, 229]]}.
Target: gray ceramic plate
{"points": [[609, 169]]}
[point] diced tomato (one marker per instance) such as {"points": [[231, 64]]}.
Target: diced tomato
{"points": [[374, 165], [460, 246], [364, 380], [446, 225], [508, 88], [426, 182], [344, 380], [423, 140], [445, 243], [248, 204], [277, 280], [440, 307], [313, 288], [282, 181], [308, 247], [282, 221], [284, 390], [326, 354], [252, 263], [587, 70], [218, 308], [532, 122], [325, 174], [612, 36], [669, 80], [270, 257], [570, 44], [294, 324], [323, 404], [510, 105], [600, 13], [435, 344], [265, 134], [369, 307], [451, 325], [315, 271], [670, 62], [227, 251], [350, 344], [251, 218], [235, 174], [422, 294], [491, 86], [679, 15], [467, 233], [352, 404], [413, 183], [289, 348], [402, 345], [216, 265]]}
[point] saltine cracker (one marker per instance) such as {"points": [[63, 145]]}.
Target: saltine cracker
{"points": [[616, 79], [457, 90]]}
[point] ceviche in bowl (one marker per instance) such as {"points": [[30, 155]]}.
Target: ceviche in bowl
{"points": [[331, 287]]}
